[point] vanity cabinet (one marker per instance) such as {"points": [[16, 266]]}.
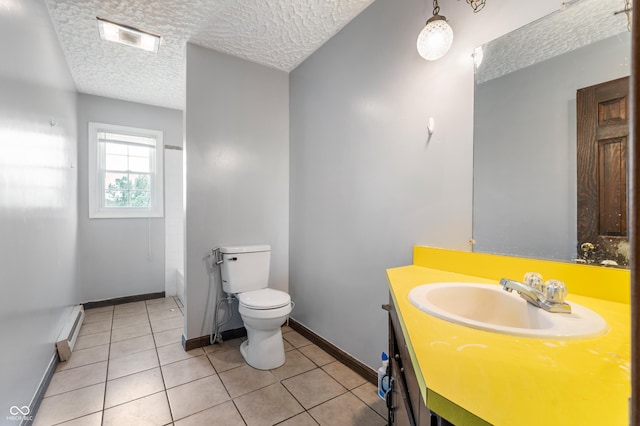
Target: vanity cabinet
{"points": [[404, 401]]}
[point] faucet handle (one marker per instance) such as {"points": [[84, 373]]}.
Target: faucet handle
{"points": [[534, 280], [555, 291]]}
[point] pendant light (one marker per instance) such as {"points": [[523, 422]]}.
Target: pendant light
{"points": [[435, 39]]}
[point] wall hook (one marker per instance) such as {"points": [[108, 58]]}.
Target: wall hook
{"points": [[431, 125]]}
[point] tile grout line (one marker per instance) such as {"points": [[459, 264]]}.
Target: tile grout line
{"points": [[279, 381], [106, 378], [205, 353], [127, 375], [365, 402], [347, 390], [214, 374], [73, 390], [164, 384], [107, 361], [148, 369], [296, 399], [83, 387], [311, 408], [239, 412], [141, 371]]}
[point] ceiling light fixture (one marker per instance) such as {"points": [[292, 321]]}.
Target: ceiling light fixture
{"points": [[436, 38], [130, 36], [627, 11], [477, 5]]}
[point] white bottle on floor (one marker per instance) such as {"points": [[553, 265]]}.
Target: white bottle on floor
{"points": [[383, 379]]}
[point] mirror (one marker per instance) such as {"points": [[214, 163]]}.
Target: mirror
{"points": [[525, 156]]}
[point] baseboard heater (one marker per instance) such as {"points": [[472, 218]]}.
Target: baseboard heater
{"points": [[69, 335]]}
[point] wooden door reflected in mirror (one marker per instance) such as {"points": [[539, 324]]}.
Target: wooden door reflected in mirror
{"points": [[602, 149]]}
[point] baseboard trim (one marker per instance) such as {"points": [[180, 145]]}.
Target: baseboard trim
{"points": [[122, 300], [27, 420], [364, 370], [198, 342]]}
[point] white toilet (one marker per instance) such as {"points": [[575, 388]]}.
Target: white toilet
{"points": [[245, 273]]}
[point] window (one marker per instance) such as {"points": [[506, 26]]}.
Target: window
{"points": [[125, 172]]}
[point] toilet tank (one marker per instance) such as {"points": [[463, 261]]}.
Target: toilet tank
{"points": [[245, 268]]}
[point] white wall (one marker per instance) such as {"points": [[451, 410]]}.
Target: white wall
{"points": [[237, 170], [173, 218], [38, 208], [120, 257], [366, 184]]}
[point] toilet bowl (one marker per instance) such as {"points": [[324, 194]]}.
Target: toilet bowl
{"points": [[245, 271], [264, 348]]}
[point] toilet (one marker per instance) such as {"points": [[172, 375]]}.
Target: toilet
{"points": [[245, 273]]}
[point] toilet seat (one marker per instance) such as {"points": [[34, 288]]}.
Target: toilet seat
{"points": [[265, 298]]}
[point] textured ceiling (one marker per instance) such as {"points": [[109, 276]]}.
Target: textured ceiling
{"points": [[579, 24], [276, 33]]}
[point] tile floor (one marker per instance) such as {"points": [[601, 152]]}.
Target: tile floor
{"points": [[128, 368]]}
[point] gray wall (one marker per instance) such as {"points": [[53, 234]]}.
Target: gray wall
{"points": [[38, 208], [114, 259], [366, 183], [237, 170], [525, 151]]}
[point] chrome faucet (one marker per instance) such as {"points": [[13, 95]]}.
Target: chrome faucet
{"points": [[529, 294], [550, 302]]}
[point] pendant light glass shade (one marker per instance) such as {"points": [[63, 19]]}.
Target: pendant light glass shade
{"points": [[435, 39]]}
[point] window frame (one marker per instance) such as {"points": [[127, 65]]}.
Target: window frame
{"points": [[97, 208]]}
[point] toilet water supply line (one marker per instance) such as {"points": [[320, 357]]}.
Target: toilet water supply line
{"points": [[216, 334]]}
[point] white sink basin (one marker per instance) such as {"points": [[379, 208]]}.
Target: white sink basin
{"points": [[488, 307]]}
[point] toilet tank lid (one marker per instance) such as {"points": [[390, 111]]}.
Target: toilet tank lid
{"points": [[245, 249]]}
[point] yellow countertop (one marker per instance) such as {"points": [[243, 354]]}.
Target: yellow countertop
{"points": [[508, 380]]}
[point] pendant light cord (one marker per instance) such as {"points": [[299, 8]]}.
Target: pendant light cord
{"points": [[436, 8]]}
